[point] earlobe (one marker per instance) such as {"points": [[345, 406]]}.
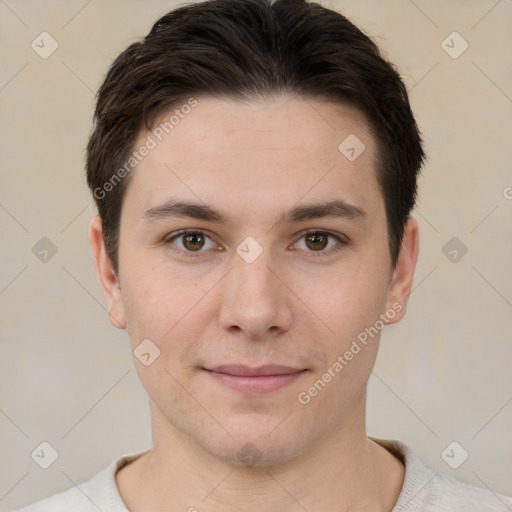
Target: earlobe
{"points": [[403, 275], [108, 280]]}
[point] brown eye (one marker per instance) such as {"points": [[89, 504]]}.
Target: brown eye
{"points": [[317, 241], [321, 243], [193, 241]]}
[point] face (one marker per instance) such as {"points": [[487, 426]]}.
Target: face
{"points": [[254, 257]]}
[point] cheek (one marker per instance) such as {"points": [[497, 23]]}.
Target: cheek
{"points": [[349, 307], [160, 302], [347, 301], [169, 314]]}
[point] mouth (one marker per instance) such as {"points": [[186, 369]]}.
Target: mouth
{"points": [[255, 380]]}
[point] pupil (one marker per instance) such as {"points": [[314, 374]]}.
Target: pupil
{"points": [[318, 241], [194, 241]]}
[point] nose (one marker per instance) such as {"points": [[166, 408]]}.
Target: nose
{"points": [[256, 301]]}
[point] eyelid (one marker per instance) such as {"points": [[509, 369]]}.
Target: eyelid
{"points": [[341, 239], [168, 240], [339, 236]]}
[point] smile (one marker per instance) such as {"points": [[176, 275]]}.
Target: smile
{"points": [[255, 381]]}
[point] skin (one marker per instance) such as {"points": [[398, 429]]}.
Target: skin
{"points": [[297, 305]]}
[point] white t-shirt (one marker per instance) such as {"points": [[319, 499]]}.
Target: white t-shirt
{"points": [[423, 490]]}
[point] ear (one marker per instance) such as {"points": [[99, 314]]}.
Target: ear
{"points": [[403, 275], [106, 274]]}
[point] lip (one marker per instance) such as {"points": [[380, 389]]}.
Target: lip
{"points": [[259, 371], [255, 381]]}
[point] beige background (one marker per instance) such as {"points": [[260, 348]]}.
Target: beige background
{"points": [[67, 376]]}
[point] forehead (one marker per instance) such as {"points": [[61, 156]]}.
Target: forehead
{"points": [[249, 153], [225, 124]]}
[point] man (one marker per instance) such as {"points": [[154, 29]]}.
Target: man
{"points": [[254, 165]]}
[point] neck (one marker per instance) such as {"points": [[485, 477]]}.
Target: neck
{"points": [[345, 472]]}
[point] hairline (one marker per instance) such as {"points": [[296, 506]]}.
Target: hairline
{"points": [[148, 123]]}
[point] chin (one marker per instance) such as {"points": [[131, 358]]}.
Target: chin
{"points": [[256, 444]]}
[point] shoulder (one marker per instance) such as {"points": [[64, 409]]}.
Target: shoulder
{"points": [[71, 499], [425, 490], [447, 493], [98, 493]]}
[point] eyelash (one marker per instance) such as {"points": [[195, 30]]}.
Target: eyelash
{"points": [[342, 242]]}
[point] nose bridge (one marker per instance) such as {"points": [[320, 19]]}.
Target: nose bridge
{"points": [[255, 276], [255, 300], [253, 281]]}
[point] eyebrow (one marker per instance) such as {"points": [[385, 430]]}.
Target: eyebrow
{"points": [[332, 209]]}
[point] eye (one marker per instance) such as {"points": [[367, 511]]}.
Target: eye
{"points": [[320, 242], [194, 242], [191, 241]]}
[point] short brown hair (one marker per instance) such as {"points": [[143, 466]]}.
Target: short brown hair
{"points": [[250, 49]]}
